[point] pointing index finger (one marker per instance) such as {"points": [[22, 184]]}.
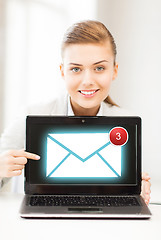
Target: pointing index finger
{"points": [[23, 153], [31, 156]]}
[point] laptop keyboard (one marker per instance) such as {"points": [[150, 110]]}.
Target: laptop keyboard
{"points": [[104, 201]]}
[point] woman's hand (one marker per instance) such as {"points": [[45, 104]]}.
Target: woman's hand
{"points": [[145, 188], [13, 162]]}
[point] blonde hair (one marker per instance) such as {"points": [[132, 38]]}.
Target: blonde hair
{"points": [[89, 32]]}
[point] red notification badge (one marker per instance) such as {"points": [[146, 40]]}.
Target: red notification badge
{"points": [[118, 136]]}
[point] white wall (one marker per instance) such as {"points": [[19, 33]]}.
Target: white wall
{"points": [[2, 52], [136, 27]]}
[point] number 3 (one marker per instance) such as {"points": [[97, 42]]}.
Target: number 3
{"points": [[118, 136]]}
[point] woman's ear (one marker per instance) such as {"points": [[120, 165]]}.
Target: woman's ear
{"points": [[115, 72], [62, 70]]}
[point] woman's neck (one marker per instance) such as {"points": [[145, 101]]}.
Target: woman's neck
{"points": [[80, 111]]}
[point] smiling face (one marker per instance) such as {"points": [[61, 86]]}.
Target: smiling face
{"points": [[88, 70]]}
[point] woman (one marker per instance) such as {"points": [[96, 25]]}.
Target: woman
{"points": [[88, 69]]}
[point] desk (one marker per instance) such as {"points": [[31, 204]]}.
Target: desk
{"points": [[15, 228]]}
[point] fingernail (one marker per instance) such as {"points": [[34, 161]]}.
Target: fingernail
{"points": [[146, 201], [37, 157], [148, 192]]}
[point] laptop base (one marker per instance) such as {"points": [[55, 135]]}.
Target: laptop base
{"points": [[84, 212]]}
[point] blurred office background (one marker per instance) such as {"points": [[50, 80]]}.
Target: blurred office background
{"points": [[30, 37]]}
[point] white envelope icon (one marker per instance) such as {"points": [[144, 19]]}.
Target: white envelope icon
{"points": [[82, 155]]}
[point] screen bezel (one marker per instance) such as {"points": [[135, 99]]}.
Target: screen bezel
{"points": [[85, 189]]}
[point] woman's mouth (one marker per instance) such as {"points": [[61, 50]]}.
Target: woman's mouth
{"points": [[88, 93]]}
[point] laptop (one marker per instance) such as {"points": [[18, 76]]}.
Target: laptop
{"points": [[90, 167]]}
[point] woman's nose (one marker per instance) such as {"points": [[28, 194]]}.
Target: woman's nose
{"points": [[88, 78]]}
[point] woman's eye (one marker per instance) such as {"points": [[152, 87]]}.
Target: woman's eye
{"points": [[99, 69], [75, 69]]}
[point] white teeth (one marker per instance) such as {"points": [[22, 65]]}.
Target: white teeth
{"points": [[88, 93]]}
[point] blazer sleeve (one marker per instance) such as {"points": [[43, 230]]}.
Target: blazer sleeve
{"points": [[13, 137]]}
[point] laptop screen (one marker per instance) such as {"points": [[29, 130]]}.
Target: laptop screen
{"points": [[83, 151]]}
